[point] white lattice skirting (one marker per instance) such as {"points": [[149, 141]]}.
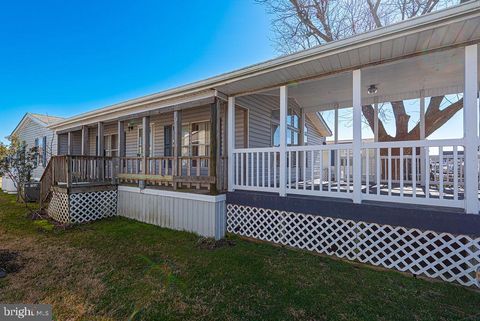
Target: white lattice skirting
{"points": [[452, 258], [58, 207], [82, 207]]}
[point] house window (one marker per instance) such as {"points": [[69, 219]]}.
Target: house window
{"points": [[168, 140], [305, 135], [293, 127], [111, 145], [140, 141], [196, 141]]}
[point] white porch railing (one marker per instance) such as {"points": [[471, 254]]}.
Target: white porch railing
{"points": [[257, 169], [323, 170], [429, 172], [408, 172]]}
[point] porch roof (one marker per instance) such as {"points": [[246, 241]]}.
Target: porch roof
{"points": [[442, 30]]}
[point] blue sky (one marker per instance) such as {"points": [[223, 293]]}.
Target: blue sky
{"points": [[67, 57]]}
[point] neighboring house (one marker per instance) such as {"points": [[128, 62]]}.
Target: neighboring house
{"points": [[34, 132], [244, 152]]}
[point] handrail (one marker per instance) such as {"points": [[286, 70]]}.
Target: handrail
{"points": [[46, 182], [415, 143], [77, 169]]}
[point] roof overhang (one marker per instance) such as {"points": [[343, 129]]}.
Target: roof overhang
{"points": [[454, 27], [23, 121], [138, 108]]}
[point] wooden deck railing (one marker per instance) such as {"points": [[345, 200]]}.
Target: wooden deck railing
{"points": [[177, 172], [46, 182]]}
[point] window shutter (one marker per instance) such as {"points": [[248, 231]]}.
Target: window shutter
{"points": [[44, 151]]}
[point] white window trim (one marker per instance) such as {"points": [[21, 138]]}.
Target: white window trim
{"points": [[152, 139], [110, 150], [189, 124], [289, 127]]}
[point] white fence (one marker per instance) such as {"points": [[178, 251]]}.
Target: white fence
{"points": [[429, 172]]}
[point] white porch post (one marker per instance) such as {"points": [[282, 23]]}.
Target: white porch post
{"points": [[375, 121], [470, 127], [301, 125], [231, 142], [335, 128], [283, 139], [70, 143], [84, 140], [357, 136], [334, 164], [301, 142], [423, 169]]}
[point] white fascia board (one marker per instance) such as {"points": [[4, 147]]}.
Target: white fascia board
{"points": [[127, 108]]}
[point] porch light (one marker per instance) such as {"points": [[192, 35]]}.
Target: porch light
{"points": [[372, 89], [131, 124]]}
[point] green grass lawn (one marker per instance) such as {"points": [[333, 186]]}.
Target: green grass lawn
{"points": [[117, 269]]}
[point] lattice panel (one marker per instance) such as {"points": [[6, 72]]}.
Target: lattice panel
{"points": [[452, 258], [58, 207], [91, 206]]}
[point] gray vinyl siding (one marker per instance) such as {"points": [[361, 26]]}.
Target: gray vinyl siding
{"points": [[32, 130], [313, 135], [259, 118], [158, 123], [241, 119], [92, 143], [131, 133], [260, 109]]}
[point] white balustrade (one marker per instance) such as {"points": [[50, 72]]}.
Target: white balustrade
{"points": [[257, 169], [390, 171]]}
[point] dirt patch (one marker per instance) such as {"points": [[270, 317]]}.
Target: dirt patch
{"points": [[10, 261], [53, 273], [212, 244]]}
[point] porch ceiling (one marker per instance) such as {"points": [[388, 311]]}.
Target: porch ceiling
{"points": [[414, 37], [438, 73]]}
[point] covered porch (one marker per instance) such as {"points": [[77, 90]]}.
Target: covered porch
{"points": [[430, 158], [176, 147]]}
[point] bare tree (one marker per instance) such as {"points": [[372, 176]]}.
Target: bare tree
{"points": [[302, 24]]}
